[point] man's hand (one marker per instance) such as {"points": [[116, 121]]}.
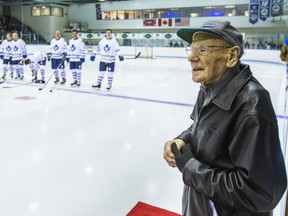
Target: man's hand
{"points": [[181, 157], [64, 56], [92, 58], [168, 155], [121, 58]]}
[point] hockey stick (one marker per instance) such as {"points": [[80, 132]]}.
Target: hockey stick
{"points": [[135, 57], [45, 84]]}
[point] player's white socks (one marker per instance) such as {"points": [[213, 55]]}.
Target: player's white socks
{"points": [[74, 75], [100, 77], [110, 78], [5, 69], [63, 74], [56, 74], [42, 71], [78, 76]]}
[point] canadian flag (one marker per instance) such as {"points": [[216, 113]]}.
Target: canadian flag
{"points": [[165, 22]]}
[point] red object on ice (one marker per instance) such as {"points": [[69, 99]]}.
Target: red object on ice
{"points": [[143, 209]]}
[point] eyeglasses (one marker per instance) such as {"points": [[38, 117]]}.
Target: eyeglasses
{"points": [[202, 49]]}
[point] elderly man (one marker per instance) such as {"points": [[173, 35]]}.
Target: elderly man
{"points": [[57, 55], [230, 157], [18, 54]]}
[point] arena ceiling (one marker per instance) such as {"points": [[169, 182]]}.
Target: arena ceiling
{"points": [[54, 2]]}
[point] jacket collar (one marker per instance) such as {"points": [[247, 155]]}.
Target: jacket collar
{"points": [[225, 99]]}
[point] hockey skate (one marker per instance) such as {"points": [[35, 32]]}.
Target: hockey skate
{"points": [[34, 79], [2, 79], [98, 86], [18, 76], [56, 80], [40, 81], [63, 81], [109, 87], [74, 83]]}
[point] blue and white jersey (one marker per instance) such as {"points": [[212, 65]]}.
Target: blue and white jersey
{"points": [[36, 60], [76, 50], [57, 48], [18, 49], [108, 49], [6, 48]]}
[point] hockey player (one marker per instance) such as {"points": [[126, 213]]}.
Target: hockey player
{"points": [[284, 58], [108, 48], [76, 57], [5, 54], [36, 62], [19, 53], [57, 55]]}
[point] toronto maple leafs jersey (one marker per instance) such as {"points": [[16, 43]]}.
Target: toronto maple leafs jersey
{"points": [[6, 48], [18, 49], [108, 49], [57, 48], [35, 61], [76, 50]]}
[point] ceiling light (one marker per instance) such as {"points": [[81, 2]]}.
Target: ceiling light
{"points": [[230, 6]]}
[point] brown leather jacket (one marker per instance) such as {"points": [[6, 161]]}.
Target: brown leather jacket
{"points": [[238, 164]]}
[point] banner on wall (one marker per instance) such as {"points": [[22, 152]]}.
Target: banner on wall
{"points": [[98, 11], [87, 35], [253, 11], [264, 9], [163, 22], [149, 22], [285, 7], [276, 7], [182, 21]]}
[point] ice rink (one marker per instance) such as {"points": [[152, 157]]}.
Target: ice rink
{"points": [[77, 151]]}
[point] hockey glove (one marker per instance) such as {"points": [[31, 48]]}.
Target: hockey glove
{"points": [[82, 60], [183, 157], [64, 56], [92, 58], [49, 56], [24, 56], [27, 61], [1, 55], [67, 60], [121, 58]]}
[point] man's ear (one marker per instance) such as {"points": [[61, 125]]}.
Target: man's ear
{"points": [[232, 56]]}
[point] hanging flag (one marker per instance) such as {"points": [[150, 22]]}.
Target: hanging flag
{"points": [[182, 21], [285, 7], [165, 22], [149, 22], [253, 11], [98, 11], [264, 9], [276, 7]]}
